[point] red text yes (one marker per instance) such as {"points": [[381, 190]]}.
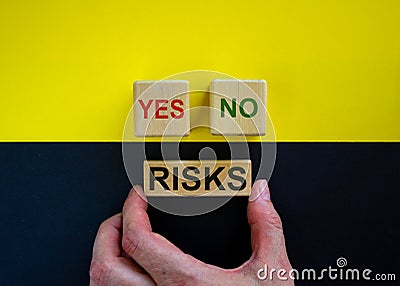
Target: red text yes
{"points": [[161, 107]]}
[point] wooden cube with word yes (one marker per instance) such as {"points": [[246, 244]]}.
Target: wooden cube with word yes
{"points": [[238, 107], [161, 108]]}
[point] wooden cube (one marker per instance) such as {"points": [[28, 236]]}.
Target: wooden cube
{"points": [[238, 107], [161, 108], [197, 178]]}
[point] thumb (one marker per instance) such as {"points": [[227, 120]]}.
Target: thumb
{"points": [[267, 238]]}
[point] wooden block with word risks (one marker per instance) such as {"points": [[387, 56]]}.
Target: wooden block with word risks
{"points": [[161, 108], [197, 178], [238, 107]]}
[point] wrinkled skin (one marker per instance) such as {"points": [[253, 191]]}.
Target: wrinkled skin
{"points": [[127, 252]]}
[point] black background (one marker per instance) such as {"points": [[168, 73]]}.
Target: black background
{"points": [[335, 200]]}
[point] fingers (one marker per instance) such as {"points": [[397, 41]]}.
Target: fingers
{"points": [[153, 252], [117, 272], [107, 267], [267, 237], [107, 243]]}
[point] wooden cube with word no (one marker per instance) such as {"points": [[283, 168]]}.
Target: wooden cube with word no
{"points": [[238, 107], [161, 108]]}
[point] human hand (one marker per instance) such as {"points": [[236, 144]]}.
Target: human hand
{"points": [[127, 252]]}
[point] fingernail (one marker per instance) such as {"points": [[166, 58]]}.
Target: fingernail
{"points": [[133, 189], [139, 191], [260, 189]]}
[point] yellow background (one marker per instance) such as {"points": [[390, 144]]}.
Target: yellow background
{"points": [[332, 67]]}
